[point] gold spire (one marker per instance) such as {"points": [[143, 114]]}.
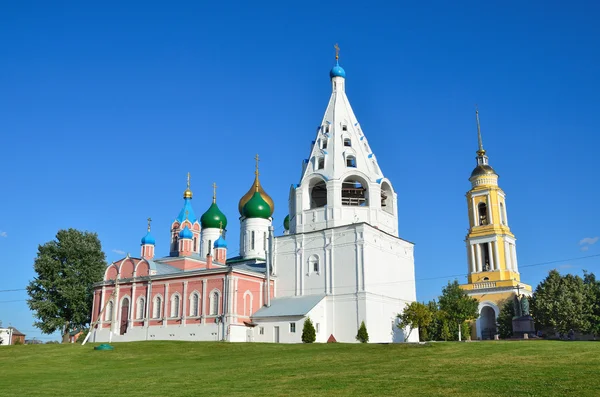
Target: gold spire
{"points": [[337, 51], [481, 151], [149, 220], [214, 192], [256, 187], [187, 193]]}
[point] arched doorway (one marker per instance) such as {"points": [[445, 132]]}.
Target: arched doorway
{"points": [[124, 315], [487, 322]]}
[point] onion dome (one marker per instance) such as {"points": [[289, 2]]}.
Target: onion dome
{"points": [[250, 193], [220, 243], [148, 239], [213, 218], [186, 233], [257, 207], [187, 212], [337, 71], [286, 222], [483, 169]]}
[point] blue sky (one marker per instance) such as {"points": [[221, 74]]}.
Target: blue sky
{"points": [[104, 108]]}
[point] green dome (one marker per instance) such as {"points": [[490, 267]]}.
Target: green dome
{"points": [[213, 217], [286, 222], [257, 207]]}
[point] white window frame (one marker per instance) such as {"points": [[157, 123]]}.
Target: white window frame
{"points": [[175, 308], [157, 306], [140, 307], [292, 328], [195, 308]]}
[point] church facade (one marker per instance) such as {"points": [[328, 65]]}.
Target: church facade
{"points": [[493, 271], [339, 262]]}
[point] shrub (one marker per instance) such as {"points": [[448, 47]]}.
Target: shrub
{"points": [[362, 336], [309, 334]]}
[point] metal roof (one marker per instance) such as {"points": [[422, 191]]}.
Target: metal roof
{"points": [[289, 306]]}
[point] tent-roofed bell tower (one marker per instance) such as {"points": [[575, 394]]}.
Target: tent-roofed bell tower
{"points": [[493, 272], [341, 180]]}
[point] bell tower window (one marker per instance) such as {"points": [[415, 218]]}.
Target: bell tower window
{"points": [[354, 193], [502, 214], [347, 142], [351, 161], [324, 145], [318, 195], [483, 214], [320, 163], [344, 128], [485, 256]]}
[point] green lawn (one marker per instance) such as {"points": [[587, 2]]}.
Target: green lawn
{"points": [[524, 368]]}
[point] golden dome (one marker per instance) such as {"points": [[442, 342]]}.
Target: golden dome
{"points": [[483, 169], [250, 193]]}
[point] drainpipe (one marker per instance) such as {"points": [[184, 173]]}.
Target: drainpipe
{"points": [[269, 264]]}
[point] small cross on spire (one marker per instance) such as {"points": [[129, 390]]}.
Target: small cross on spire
{"points": [[188, 180], [337, 51], [149, 220], [256, 171], [214, 185]]}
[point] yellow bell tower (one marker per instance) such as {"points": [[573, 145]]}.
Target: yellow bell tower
{"points": [[493, 272]]}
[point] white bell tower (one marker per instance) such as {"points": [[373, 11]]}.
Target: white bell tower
{"points": [[341, 181]]}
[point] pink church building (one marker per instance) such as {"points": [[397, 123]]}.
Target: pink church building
{"points": [[191, 294]]}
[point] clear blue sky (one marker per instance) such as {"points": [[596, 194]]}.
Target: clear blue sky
{"points": [[104, 108]]}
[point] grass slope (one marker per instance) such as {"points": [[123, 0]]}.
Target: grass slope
{"points": [[525, 368]]}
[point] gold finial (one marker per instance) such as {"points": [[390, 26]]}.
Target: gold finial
{"points": [[256, 171], [214, 192], [481, 150], [188, 192], [337, 51], [149, 220]]}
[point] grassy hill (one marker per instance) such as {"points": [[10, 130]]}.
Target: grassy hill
{"points": [[524, 368]]}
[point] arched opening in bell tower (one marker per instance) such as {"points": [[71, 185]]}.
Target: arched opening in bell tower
{"points": [[387, 198], [355, 192], [483, 214], [318, 194]]}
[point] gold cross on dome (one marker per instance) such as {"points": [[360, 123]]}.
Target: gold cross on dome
{"points": [[257, 160], [188, 180], [337, 51], [220, 227], [214, 185], [149, 220]]}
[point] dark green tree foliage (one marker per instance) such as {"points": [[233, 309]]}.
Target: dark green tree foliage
{"points": [[458, 306], [562, 303], [362, 336], [507, 312], [415, 315], [309, 335], [61, 293], [593, 291]]}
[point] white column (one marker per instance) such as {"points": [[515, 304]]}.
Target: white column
{"points": [[133, 303], [116, 307], [514, 256], [184, 304], [491, 255], [166, 302], [202, 306], [472, 257], [496, 255], [479, 262], [490, 215], [148, 298], [102, 303]]}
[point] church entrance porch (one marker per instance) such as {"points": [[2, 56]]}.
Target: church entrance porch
{"points": [[487, 322]]}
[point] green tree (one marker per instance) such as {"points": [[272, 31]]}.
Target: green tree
{"points": [[362, 336], [309, 335], [562, 303], [415, 315], [507, 312], [445, 333], [61, 293], [593, 291], [458, 306]]}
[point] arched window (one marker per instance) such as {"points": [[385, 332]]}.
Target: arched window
{"points": [[485, 256], [351, 161], [321, 163], [175, 305], [387, 198], [247, 303], [195, 243], [252, 240], [347, 142], [318, 195], [502, 214], [109, 311], [324, 143], [214, 303], [313, 264], [141, 307], [483, 214], [354, 192], [157, 307], [194, 301]]}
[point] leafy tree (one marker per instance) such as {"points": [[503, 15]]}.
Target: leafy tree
{"points": [[362, 336], [593, 291], [458, 306], [61, 293], [415, 315], [562, 303], [309, 335], [507, 312], [445, 333]]}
